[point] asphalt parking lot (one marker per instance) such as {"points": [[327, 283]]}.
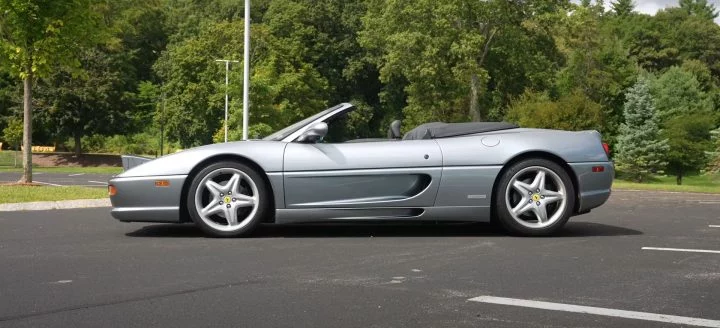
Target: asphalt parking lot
{"points": [[81, 268], [61, 179]]}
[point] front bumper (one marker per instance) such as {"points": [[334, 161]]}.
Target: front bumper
{"points": [[142, 199], [593, 187]]}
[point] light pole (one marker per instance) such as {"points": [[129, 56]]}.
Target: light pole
{"points": [[162, 126], [246, 71], [227, 71]]}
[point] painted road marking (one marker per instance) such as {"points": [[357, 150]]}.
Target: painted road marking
{"points": [[714, 226], [48, 183], [681, 250], [76, 174], [597, 311], [97, 182]]}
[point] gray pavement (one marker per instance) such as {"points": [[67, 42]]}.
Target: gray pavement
{"points": [[61, 179], [81, 268]]}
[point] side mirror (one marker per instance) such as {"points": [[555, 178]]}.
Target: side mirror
{"points": [[314, 134]]}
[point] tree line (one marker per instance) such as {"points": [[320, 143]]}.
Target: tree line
{"points": [[112, 76]]}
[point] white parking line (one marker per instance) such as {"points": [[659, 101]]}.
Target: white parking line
{"points": [[97, 182], [714, 226], [597, 311], [681, 250], [76, 174], [48, 183]]}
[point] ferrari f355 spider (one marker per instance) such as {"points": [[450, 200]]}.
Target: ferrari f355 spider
{"points": [[530, 181]]}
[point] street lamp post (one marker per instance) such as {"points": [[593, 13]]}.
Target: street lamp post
{"points": [[227, 71], [246, 71]]}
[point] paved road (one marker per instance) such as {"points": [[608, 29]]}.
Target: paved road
{"points": [[61, 179], [80, 268]]}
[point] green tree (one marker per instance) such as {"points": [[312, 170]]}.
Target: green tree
{"points": [[623, 7], [8, 97], [700, 8], [34, 35], [283, 87], [573, 112], [678, 92], [440, 49], [597, 64], [95, 102], [640, 151], [689, 36], [688, 136], [715, 151], [13, 132], [688, 116]]}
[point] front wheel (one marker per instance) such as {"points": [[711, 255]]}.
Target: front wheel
{"points": [[227, 199], [535, 197]]}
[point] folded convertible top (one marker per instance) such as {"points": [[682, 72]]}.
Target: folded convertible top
{"points": [[444, 130]]}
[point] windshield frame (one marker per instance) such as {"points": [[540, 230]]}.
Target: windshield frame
{"points": [[293, 131]]}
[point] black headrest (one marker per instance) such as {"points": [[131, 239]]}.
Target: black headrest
{"points": [[394, 131]]}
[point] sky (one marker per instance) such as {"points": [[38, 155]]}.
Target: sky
{"points": [[652, 6]]}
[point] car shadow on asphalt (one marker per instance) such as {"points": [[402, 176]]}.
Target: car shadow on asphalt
{"points": [[572, 229]]}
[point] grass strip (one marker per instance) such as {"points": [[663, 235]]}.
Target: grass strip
{"points": [[23, 194], [68, 169], [707, 183]]}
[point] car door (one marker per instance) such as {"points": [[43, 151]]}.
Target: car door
{"points": [[362, 174]]}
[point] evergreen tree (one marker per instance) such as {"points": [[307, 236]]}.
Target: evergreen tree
{"points": [[700, 8], [623, 7], [639, 149]]}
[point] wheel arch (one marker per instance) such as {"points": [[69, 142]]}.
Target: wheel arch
{"points": [[184, 215], [536, 154]]}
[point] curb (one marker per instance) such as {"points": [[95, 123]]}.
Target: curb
{"points": [[55, 205]]}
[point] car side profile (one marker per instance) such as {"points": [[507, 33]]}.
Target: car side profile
{"points": [[531, 181]]}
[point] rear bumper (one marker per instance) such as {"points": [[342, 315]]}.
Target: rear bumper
{"points": [[593, 187], [138, 199]]}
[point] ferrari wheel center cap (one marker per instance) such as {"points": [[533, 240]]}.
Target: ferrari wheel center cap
{"points": [[226, 199], [536, 197]]}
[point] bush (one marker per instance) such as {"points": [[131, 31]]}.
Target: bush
{"points": [[572, 112], [137, 144]]}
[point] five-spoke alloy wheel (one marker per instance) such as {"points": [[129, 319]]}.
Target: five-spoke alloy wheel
{"points": [[535, 197], [227, 199]]}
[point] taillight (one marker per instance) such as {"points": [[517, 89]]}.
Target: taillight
{"points": [[607, 148], [112, 191]]}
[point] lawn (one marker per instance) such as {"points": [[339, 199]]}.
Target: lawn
{"points": [[9, 158], [21, 194], [68, 169], [706, 183]]}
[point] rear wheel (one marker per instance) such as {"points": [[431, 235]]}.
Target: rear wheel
{"points": [[535, 197], [227, 199]]}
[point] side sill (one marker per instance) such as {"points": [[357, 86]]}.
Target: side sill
{"points": [[443, 213]]}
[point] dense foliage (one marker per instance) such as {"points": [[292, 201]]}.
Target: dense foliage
{"points": [[116, 76]]}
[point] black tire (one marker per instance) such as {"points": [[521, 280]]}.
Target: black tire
{"points": [[503, 211], [263, 202]]}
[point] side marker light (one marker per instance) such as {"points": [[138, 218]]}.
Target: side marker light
{"points": [[162, 183]]}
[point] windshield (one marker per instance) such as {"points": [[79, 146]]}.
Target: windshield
{"points": [[279, 135]]}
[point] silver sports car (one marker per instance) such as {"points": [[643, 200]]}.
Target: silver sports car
{"points": [[530, 181]]}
